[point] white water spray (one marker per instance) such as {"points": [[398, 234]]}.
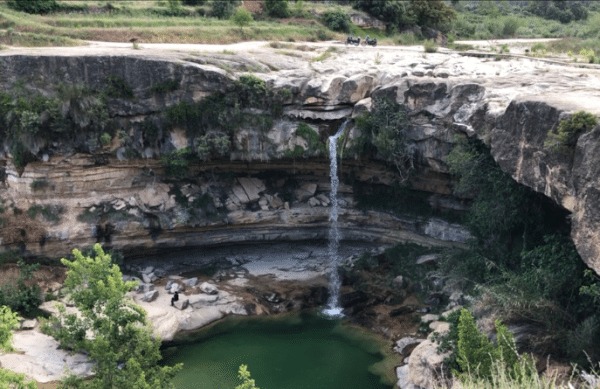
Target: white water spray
{"points": [[333, 309]]}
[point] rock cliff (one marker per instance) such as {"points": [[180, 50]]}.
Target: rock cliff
{"points": [[272, 182]]}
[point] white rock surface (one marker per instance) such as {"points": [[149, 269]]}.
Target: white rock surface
{"points": [[41, 359], [403, 343], [208, 288]]}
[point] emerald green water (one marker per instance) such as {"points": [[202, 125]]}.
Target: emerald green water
{"points": [[295, 351]]}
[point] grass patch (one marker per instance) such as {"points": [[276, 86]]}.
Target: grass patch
{"points": [[326, 54]]}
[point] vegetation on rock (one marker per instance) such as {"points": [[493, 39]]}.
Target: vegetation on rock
{"points": [[385, 128], [568, 131], [122, 344], [526, 266]]}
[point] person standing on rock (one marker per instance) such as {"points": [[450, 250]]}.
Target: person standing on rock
{"points": [[175, 298]]}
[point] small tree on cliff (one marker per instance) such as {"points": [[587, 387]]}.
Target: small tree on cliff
{"points": [[122, 345]]}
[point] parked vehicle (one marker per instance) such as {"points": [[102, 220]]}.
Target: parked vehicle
{"points": [[352, 40]]}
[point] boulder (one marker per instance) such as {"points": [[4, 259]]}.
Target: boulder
{"points": [[305, 191], [313, 202], [169, 284], [148, 270], [252, 187], [150, 296], [428, 259], [145, 288], [426, 366], [398, 282], [181, 304], [207, 288], [323, 199], [429, 318], [28, 324], [402, 373], [198, 300], [402, 344], [175, 287], [149, 278], [191, 282]]}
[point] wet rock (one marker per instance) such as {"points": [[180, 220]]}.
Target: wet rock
{"points": [[150, 296], [403, 310], [353, 298], [273, 297], [207, 288], [250, 308]]}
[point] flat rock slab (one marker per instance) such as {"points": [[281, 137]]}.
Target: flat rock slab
{"points": [[41, 359]]}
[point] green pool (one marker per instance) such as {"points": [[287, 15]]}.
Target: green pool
{"points": [[291, 351]]}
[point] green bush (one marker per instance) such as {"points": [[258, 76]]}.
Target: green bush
{"points": [[105, 139], [20, 297], [34, 6], [568, 131], [117, 88], [177, 162], [314, 144], [337, 20], [277, 8], [164, 87], [430, 46]]}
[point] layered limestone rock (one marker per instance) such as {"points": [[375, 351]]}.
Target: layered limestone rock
{"points": [[120, 195]]}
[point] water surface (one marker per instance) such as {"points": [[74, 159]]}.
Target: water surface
{"points": [[293, 351]]}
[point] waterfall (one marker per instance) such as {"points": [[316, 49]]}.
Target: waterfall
{"points": [[333, 309]]}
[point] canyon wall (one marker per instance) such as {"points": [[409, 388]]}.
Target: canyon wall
{"points": [[272, 183]]}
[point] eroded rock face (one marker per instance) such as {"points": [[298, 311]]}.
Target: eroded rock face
{"points": [[130, 203]]}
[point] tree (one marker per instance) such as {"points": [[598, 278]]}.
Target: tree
{"points": [[475, 351], [242, 17], [277, 8], [122, 345], [34, 6], [8, 379], [223, 9]]}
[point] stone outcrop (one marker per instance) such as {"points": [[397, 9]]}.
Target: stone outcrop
{"points": [[260, 193]]}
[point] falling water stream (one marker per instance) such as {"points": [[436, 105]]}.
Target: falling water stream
{"points": [[333, 309]]}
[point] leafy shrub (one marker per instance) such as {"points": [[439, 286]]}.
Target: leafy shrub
{"points": [[568, 131], [538, 47], [164, 87], [277, 8], [177, 162], [337, 20], [105, 139], [39, 185], [430, 46], [117, 88], [208, 144], [20, 297], [314, 144], [511, 25]]}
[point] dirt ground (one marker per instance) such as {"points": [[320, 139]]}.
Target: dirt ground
{"points": [[48, 278]]}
